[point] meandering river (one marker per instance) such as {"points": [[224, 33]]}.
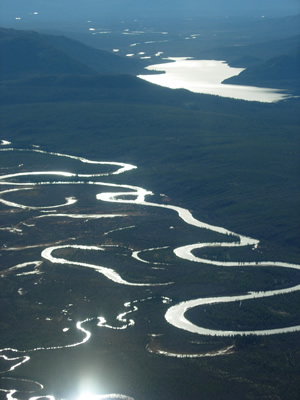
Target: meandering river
{"points": [[122, 194]]}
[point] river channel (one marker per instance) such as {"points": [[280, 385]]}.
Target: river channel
{"points": [[18, 180]]}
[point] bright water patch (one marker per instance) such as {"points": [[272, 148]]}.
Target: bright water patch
{"points": [[206, 77]]}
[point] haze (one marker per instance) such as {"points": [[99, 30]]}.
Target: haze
{"points": [[77, 9]]}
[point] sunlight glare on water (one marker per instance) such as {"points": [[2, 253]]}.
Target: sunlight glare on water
{"points": [[87, 396], [206, 77]]}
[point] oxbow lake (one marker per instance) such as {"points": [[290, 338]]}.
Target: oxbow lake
{"points": [[206, 77]]}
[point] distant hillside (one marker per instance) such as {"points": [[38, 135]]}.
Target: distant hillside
{"points": [[278, 72], [100, 61], [245, 56], [29, 53]]}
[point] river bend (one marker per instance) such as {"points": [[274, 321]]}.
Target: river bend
{"points": [[133, 195]]}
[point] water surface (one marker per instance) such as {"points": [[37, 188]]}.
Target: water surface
{"points": [[206, 77]]}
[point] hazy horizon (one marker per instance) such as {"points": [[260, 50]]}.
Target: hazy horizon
{"points": [[71, 10]]}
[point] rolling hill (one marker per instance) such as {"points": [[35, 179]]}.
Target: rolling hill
{"points": [[27, 53], [277, 72]]}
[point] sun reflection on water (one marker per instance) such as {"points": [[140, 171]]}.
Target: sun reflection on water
{"points": [[87, 396]]}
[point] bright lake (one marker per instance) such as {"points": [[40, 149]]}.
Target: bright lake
{"points": [[206, 76]]}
